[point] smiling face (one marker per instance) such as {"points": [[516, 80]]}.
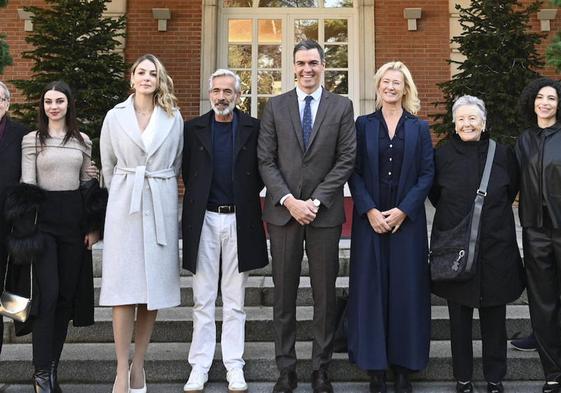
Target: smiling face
{"points": [[545, 106], [144, 79], [469, 123], [308, 68], [55, 104], [391, 87], [223, 96]]}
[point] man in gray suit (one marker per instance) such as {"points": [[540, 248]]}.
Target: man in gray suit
{"points": [[306, 152]]}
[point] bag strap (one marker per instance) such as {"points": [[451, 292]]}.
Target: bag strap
{"points": [[478, 204]]}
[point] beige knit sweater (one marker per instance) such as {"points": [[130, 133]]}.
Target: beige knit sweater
{"points": [[55, 166]]}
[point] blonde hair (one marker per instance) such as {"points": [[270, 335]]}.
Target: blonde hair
{"points": [[163, 96], [410, 100]]}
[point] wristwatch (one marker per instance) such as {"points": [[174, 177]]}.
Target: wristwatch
{"points": [[316, 202]]}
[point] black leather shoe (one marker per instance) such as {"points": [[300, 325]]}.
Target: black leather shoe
{"points": [[377, 383], [464, 387], [402, 384], [54, 377], [42, 381], [321, 382], [495, 387], [551, 388], [287, 382]]}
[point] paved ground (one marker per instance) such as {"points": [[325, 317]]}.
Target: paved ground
{"points": [[425, 387]]}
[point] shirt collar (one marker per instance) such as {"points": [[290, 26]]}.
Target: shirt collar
{"points": [[316, 94]]}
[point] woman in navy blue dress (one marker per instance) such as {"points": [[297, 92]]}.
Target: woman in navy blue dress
{"points": [[389, 294]]}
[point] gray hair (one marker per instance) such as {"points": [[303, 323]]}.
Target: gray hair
{"points": [[6, 91], [470, 100], [225, 72]]}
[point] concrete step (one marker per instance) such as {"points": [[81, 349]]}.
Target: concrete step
{"points": [[166, 363], [267, 387], [176, 325], [260, 291], [344, 257]]}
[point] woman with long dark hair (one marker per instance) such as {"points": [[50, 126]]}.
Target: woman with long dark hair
{"points": [[538, 151], [55, 159]]}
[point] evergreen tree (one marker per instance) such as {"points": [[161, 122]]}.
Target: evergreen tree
{"points": [[501, 58], [5, 58], [553, 51], [73, 41]]}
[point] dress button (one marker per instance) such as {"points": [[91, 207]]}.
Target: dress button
{"points": [[389, 173], [390, 159], [391, 145]]}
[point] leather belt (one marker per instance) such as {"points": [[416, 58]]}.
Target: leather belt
{"points": [[223, 209]]}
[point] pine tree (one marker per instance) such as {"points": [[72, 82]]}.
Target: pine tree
{"points": [[553, 51], [5, 58], [73, 41], [501, 58]]}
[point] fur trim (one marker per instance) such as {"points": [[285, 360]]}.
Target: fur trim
{"points": [[24, 250], [95, 204], [22, 200]]}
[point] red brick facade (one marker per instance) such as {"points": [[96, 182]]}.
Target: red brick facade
{"points": [[424, 50]]}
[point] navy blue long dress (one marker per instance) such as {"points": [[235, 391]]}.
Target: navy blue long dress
{"points": [[389, 288]]}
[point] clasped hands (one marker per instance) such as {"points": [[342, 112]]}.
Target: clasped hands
{"points": [[387, 221], [304, 212]]}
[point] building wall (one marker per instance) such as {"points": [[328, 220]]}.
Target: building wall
{"points": [[425, 51]]}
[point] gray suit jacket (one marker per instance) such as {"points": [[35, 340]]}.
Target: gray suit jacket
{"points": [[318, 172]]}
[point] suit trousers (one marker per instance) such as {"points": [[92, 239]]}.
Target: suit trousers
{"points": [[218, 254], [542, 257], [57, 271], [287, 250], [492, 321], [3, 256]]}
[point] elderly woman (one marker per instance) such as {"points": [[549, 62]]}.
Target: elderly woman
{"points": [[389, 298], [499, 273], [539, 154], [11, 134]]}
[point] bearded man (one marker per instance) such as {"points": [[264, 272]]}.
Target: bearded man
{"points": [[223, 235]]}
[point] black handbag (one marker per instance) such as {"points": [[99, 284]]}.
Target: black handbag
{"points": [[453, 252]]}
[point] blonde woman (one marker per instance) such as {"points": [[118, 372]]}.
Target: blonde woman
{"points": [[141, 146], [389, 298]]}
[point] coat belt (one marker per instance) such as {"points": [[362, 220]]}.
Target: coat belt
{"points": [[140, 173]]}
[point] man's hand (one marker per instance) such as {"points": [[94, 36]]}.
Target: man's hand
{"points": [[91, 238], [394, 218], [377, 221], [304, 212]]}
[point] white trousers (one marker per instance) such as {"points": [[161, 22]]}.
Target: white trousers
{"points": [[218, 237]]}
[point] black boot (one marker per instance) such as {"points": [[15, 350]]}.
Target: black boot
{"points": [[402, 384], [42, 381], [54, 377], [377, 382]]}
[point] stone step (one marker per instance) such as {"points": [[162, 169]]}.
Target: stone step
{"points": [[176, 325], [259, 292], [344, 257], [166, 363], [267, 387]]}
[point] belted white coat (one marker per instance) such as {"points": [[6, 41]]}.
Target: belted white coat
{"points": [[140, 247]]}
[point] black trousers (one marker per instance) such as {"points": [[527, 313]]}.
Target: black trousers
{"points": [[2, 272], [57, 272], [542, 257], [493, 333], [287, 250]]}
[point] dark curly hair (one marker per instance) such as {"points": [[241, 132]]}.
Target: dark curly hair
{"points": [[528, 96]]}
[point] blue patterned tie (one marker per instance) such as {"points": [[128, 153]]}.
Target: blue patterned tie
{"points": [[307, 121]]}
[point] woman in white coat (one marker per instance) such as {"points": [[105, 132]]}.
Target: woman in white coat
{"points": [[141, 145]]}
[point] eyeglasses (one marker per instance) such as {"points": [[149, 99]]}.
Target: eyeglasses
{"points": [[2, 99]]}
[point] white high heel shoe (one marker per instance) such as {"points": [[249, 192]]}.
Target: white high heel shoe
{"points": [[143, 388]]}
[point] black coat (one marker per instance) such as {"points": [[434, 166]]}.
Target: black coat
{"points": [[197, 177], [459, 167], [538, 151]]}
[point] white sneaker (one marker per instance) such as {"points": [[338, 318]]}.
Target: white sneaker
{"points": [[196, 382], [236, 381]]}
